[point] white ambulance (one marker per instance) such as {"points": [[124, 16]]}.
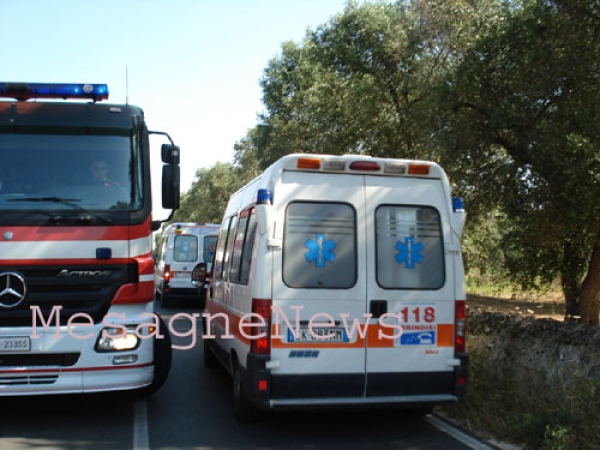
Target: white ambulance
{"points": [[184, 247], [338, 282]]}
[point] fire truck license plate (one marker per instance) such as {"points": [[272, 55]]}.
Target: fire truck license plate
{"points": [[15, 344]]}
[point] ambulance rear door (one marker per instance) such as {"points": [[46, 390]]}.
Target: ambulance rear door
{"points": [[409, 288], [320, 280]]}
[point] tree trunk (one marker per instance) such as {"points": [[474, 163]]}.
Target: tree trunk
{"points": [[589, 298], [571, 282]]}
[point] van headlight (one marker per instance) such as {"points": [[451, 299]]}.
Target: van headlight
{"points": [[117, 339]]}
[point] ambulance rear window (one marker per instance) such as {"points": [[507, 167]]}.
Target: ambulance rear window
{"points": [[319, 246], [185, 248], [409, 248]]}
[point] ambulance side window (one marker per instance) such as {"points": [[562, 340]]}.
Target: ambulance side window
{"points": [[242, 247], [319, 245], [220, 252], [248, 248], [238, 243], [410, 250], [229, 248]]}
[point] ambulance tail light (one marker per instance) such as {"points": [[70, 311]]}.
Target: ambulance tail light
{"points": [[460, 326], [167, 275], [365, 166], [418, 169], [308, 163], [261, 335]]}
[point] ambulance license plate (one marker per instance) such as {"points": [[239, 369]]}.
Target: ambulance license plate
{"points": [[319, 334], [15, 344], [183, 274]]}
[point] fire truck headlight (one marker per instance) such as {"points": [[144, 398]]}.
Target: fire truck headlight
{"points": [[117, 339]]}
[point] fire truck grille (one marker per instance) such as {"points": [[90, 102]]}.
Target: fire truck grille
{"points": [[66, 290], [27, 380], [39, 359]]}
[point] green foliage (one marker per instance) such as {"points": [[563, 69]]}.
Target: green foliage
{"points": [[482, 246], [363, 83], [209, 194], [505, 94], [530, 411], [527, 98]]}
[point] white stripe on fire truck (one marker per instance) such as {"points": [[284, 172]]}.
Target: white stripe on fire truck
{"points": [[72, 249]]}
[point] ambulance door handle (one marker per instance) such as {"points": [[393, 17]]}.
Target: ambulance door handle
{"points": [[378, 308]]}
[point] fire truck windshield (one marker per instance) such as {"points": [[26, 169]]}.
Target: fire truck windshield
{"points": [[92, 172]]}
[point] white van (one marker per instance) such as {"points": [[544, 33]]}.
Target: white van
{"points": [[184, 246], [338, 281]]}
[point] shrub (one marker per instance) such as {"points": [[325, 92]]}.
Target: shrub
{"points": [[526, 406]]}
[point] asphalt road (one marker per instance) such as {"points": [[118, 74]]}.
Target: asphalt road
{"points": [[193, 410]]}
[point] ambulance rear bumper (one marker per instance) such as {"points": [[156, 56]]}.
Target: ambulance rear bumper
{"points": [[357, 402], [392, 389]]}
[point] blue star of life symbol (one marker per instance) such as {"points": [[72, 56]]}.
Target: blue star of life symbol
{"points": [[319, 250], [409, 252]]}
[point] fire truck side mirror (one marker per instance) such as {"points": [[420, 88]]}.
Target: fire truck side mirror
{"points": [[170, 186]]}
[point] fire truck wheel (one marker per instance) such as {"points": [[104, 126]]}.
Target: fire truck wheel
{"points": [[165, 300], [163, 353]]}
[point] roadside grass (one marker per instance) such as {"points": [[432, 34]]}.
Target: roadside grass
{"points": [[509, 298], [491, 288], [528, 411], [487, 287]]}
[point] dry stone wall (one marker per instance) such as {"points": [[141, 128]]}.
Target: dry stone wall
{"points": [[564, 352]]}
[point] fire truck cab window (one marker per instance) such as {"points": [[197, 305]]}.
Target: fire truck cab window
{"points": [[36, 167]]}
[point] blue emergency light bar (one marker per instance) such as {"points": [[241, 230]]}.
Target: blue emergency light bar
{"points": [[264, 197], [27, 91]]}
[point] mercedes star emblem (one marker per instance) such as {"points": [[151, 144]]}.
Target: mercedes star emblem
{"points": [[12, 289]]}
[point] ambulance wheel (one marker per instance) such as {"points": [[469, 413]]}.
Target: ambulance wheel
{"points": [[425, 410], [243, 410], [163, 355], [209, 358]]}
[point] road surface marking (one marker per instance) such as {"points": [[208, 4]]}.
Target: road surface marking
{"points": [[470, 441], [140, 424]]}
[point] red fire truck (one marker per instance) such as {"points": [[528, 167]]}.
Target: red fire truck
{"points": [[76, 266]]}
